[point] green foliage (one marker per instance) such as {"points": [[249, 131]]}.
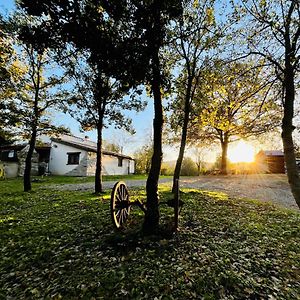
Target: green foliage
{"points": [[35, 87], [112, 147], [58, 244], [123, 41], [6, 137], [235, 101], [189, 167], [10, 73], [166, 169], [99, 100], [9, 69], [274, 35], [239, 102], [143, 159], [196, 37]]}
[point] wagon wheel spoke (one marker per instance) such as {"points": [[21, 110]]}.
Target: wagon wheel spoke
{"points": [[122, 217], [119, 204], [119, 217]]}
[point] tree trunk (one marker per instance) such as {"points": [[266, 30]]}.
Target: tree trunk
{"points": [[98, 172], [287, 138], [224, 144], [183, 135], [27, 171], [198, 168], [151, 221], [35, 121]]}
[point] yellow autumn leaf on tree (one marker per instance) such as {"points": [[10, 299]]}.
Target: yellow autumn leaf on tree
{"points": [[210, 18], [196, 3], [263, 3]]}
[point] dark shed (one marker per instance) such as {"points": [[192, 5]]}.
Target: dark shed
{"points": [[274, 159]]}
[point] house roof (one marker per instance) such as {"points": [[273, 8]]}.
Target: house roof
{"points": [[19, 147], [272, 152], [84, 144], [12, 147]]}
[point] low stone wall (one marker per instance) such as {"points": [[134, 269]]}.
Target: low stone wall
{"points": [[34, 162], [11, 169]]}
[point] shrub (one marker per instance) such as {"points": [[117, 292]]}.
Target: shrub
{"points": [[189, 167]]}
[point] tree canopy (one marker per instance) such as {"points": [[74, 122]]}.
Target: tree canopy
{"points": [[239, 103], [11, 71], [124, 40], [273, 33], [129, 44], [195, 38]]}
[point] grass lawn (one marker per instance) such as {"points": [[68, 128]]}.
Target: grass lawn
{"points": [[61, 245], [70, 179]]}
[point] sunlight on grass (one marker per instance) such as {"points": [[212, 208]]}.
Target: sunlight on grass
{"points": [[216, 195], [62, 245], [7, 219]]}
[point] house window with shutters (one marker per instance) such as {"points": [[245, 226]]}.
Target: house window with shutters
{"points": [[73, 158]]}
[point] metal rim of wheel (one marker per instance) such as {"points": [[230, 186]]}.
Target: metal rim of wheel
{"points": [[119, 204], [1, 172]]}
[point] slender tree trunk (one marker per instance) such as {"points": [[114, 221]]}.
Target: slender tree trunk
{"points": [[183, 135], [27, 171], [98, 172], [35, 121], [151, 221], [224, 144], [198, 168], [287, 138]]}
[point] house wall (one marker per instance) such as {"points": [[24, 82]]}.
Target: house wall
{"points": [[58, 163], [131, 166], [91, 164], [276, 164], [110, 165], [11, 169], [22, 161], [269, 163]]}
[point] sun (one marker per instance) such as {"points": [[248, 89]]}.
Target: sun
{"points": [[241, 152]]}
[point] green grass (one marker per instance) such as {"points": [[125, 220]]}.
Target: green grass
{"points": [[46, 180], [70, 179], [62, 245]]}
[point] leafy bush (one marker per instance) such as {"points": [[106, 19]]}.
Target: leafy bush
{"points": [[189, 167], [143, 159], [166, 169]]}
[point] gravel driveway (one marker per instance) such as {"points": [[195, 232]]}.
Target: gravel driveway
{"points": [[264, 187]]}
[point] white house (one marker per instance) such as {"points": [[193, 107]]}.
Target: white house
{"points": [[76, 156], [65, 155]]}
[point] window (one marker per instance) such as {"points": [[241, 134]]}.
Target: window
{"points": [[8, 155], [120, 162], [73, 158]]}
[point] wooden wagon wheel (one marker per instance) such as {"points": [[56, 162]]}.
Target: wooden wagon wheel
{"points": [[119, 204]]}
